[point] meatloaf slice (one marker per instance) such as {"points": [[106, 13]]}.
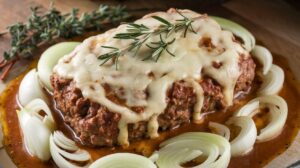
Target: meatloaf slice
{"points": [[95, 125]]}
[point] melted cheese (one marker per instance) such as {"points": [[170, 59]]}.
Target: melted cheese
{"points": [[132, 79]]}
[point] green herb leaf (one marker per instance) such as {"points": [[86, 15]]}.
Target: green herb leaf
{"points": [[162, 20], [44, 27]]}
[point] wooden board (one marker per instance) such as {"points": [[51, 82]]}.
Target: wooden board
{"points": [[274, 24]]}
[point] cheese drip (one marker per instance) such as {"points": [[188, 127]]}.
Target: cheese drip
{"points": [[192, 61]]}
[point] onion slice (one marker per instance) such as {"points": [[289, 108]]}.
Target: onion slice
{"points": [[37, 105], [219, 129], [190, 146], [30, 88], [264, 56], [249, 109], [65, 153], [278, 110], [244, 141], [272, 81], [154, 156], [50, 58], [36, 136], [36, 128], [238, 30], [123, 160]]}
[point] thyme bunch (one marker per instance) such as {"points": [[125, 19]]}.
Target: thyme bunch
{"points": [[140, 34], [44, 27]]}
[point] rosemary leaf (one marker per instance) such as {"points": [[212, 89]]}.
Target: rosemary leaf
{"points": [[162, 20]]}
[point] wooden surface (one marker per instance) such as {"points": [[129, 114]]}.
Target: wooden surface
{"points": [[275, 24]]}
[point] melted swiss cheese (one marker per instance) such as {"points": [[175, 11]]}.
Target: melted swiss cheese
{"points": [[192, 61]]}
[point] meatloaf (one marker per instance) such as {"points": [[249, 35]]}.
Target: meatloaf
{"points": [[97, 124]]}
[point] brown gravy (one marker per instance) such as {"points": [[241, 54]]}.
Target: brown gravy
{"points": [[261, 154]]}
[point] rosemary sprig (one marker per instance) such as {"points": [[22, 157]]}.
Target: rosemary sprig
{"points": [[114, 54], [185, 23], [44, 27], [140, 34], [158, 48]]}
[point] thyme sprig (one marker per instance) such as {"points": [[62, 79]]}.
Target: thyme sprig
{"points": [[44, 27], [140, 34]]}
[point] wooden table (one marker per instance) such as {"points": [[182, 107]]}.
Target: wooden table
{"points": [[276, 24]]}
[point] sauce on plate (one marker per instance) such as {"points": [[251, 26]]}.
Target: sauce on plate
{"points": [[261, 154]]}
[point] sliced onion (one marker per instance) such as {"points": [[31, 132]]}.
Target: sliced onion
{"points": [[65, 157], [50, 58], [275, 127], [36, 128], [37, 105], [64, 142], [219, 129], [249, 109], [278, 115], [189, 146], [35, 134], [154, 156], [245, 140], [30, 88], [238, 30], [264, 56], [175, 155], [272, 81], [123, 160]]}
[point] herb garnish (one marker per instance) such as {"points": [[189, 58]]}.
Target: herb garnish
{"points": [[140, 33], [44, 27]]}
